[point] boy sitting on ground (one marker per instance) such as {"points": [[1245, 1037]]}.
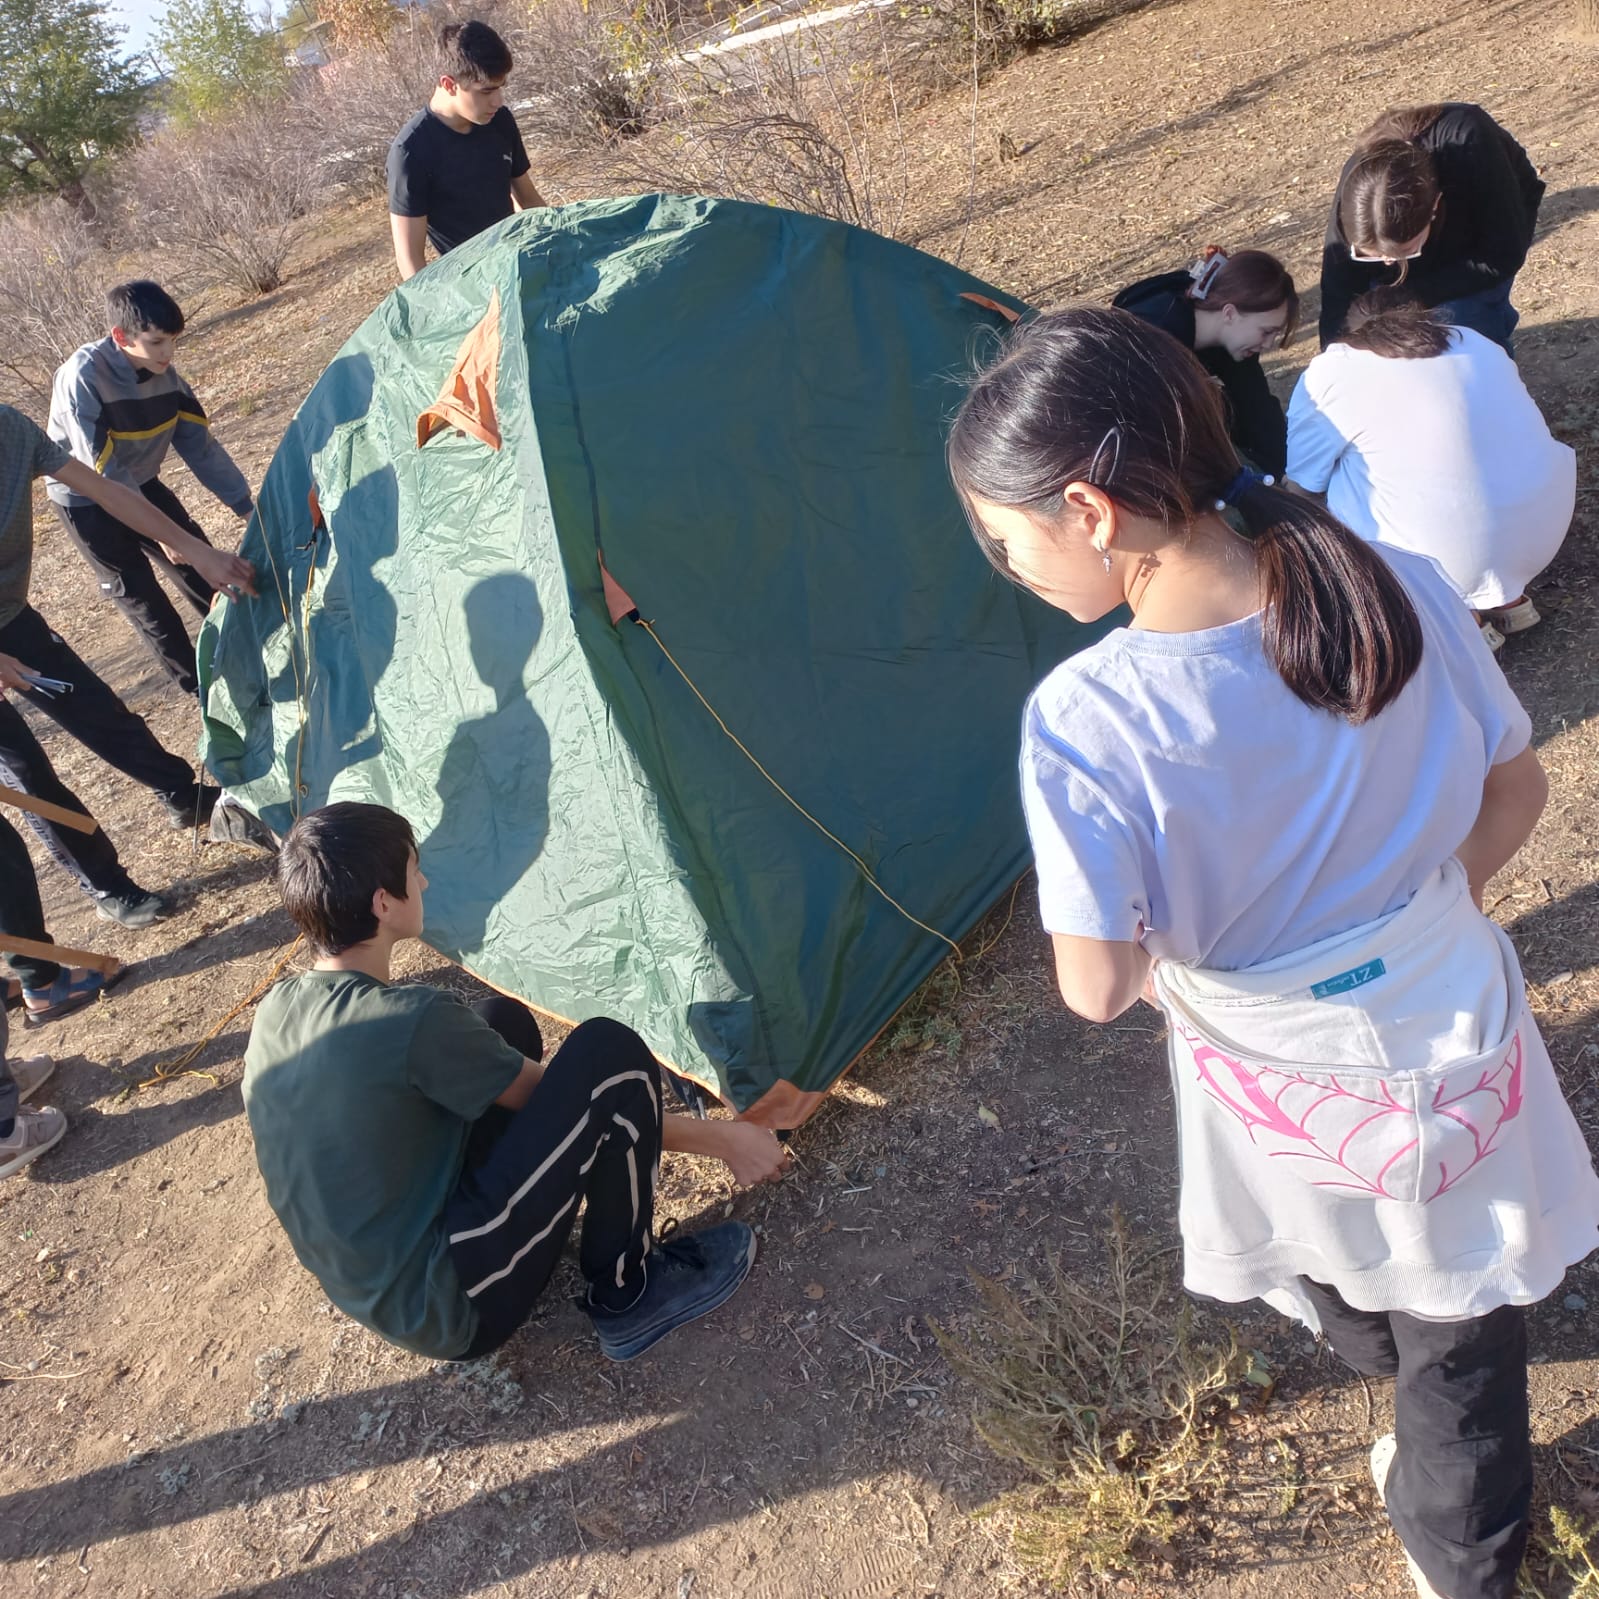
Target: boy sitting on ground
{"points": [[456, 166], [426, 1167], [117, 405]]}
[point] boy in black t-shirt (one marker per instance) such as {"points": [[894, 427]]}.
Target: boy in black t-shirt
{"points": [[455, 167]]}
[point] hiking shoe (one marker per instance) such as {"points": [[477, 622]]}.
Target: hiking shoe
{"points": [[1491, 636], [685, 1278], [31, 1075], [33, 1133], [232, 824], [138, 907], [1515, 618], [193, 809], [1382, 1460]]}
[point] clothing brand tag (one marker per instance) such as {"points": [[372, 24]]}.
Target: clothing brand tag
{"points": [[1355, 977]]}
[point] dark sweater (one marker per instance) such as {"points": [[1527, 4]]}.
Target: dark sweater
{"points": [[1254, 415], [1491, 194]]}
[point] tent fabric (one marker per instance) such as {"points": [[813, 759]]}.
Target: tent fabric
{"points": [[744, 408]]}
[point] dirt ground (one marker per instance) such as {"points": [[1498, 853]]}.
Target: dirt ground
{"points": [[182, 1412]]}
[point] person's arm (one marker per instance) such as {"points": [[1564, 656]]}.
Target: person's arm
{"points": [[410, 244], [522, 1085], [1259, 427], [525, 194], [1099, 978], [232, 574], [1513, 798], [1483, 176], [1342, 278], [752, 1154], [1315, 446], [204, 455]]}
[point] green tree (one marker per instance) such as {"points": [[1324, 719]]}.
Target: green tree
{"points": [[215, 57], [66, 95]]}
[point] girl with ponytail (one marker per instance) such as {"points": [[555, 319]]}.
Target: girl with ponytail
{"points": [[1441, 199], [1270, 804]]}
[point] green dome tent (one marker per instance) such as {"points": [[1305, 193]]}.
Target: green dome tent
{"points": [[668, 636]]}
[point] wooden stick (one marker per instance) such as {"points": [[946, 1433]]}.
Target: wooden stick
{"points": [[38, 950], [50, 811]]}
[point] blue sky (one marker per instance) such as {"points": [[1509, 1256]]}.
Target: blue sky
{"points": [[139, 18]]}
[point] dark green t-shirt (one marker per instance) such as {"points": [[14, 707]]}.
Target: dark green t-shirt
{"points": [[361, 1096]]}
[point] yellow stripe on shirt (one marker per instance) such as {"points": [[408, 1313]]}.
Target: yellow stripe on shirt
{"points": [[113, 434]]}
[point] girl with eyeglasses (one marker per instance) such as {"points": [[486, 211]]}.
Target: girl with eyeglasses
{"points": [[1441, 199], [1228, 309], [1423, 436], [1270, 804]]}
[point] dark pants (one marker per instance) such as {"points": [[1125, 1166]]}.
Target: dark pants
{"points": [[1459, 1492], [20, 910], [1488, 312], [120, 559], [9, 1098], [591, 1131], [94, 716]]}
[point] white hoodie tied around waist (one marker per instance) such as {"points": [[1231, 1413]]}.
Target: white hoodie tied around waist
{"points": [[1377, 1113]]}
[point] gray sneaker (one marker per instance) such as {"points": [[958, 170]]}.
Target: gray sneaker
{"points": [[35, 1131], [136, 908], [685, 1278]]}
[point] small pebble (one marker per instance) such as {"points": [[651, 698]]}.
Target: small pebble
{"points": [[1575, 1302]]}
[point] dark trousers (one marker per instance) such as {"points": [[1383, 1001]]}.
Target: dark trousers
{"points": [[1460, 1489], [9, 1098], [1488, 312], [20, 910], [591, 1131], [120, 559], [94, 716]]}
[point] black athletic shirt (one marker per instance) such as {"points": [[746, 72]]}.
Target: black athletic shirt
{"points": [[461, 182], [1254, 414], [1491, 193]]}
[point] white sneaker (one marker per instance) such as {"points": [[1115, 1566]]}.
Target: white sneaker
{"points": [[35, 1132], [31, 1075], [1382, 1460], [1491, 636], [1515, 618]]}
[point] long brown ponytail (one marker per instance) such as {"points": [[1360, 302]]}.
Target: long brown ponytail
{"points": [[1099, 396]]}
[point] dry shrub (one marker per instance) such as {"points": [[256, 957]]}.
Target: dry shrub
{"points": [[1562, 1560], [351, 109], [808, 119], [53, 278], [582, 69], [226, 198], [1100, 1390]]}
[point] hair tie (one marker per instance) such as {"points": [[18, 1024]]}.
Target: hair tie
{"points": [[1206, 270], [1246, 480]]}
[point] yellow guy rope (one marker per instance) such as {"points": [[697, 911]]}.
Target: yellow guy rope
{"points": [[182, 1065], [826, 832]]}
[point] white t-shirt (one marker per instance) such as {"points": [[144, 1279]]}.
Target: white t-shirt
{"points": [[1173, 780], [1447, 455]]}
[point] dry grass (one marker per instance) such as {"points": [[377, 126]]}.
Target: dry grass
{"points": [[1561, 1561], [1101, 1392]]}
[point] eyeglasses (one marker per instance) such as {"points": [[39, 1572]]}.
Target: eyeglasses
{"points": [[1383, 260]]}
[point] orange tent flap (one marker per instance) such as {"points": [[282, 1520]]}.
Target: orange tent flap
{"points": [[993, 305], [617, 600], [467, 399]]}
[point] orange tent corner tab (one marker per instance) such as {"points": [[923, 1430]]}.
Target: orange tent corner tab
{"points": [[993, 305], [467, 399]]}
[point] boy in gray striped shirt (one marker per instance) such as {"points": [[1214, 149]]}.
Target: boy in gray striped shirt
{"points": [[118, 405]]}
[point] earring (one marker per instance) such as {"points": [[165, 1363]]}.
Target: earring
{"points": [[1105, 557]]}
